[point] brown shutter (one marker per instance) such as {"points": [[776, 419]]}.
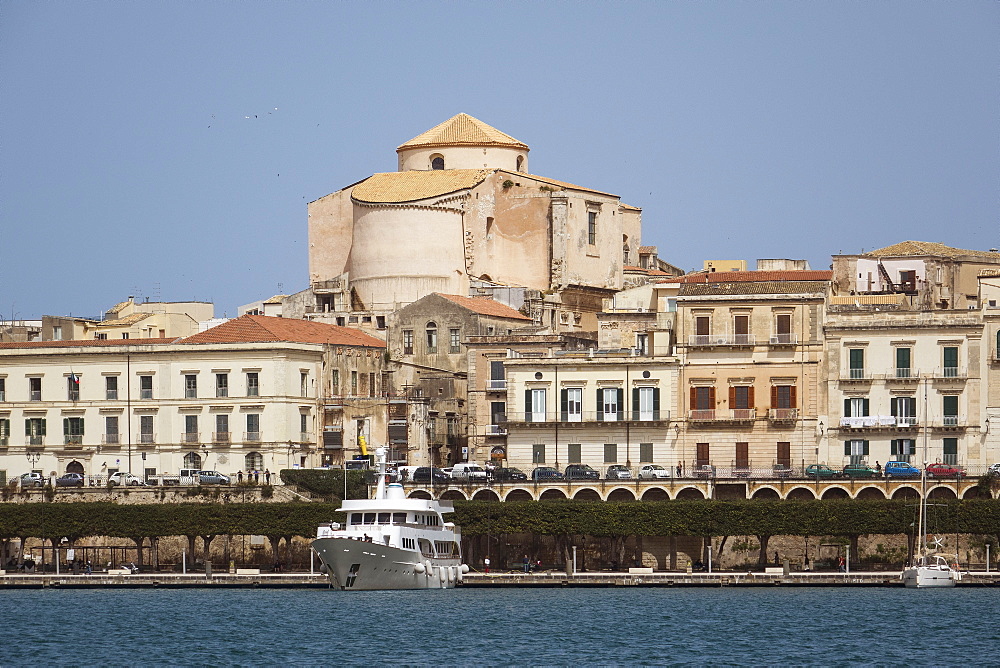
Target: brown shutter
{"points": [[791, 397], [774, 396], [711, 398], [750, 403], [694, 398], [732, 396]]}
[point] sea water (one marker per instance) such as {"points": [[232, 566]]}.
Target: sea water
{"points": [[625, 626]]}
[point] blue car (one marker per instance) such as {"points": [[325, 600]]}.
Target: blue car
{"points": [[546, 473], [901, 470]]}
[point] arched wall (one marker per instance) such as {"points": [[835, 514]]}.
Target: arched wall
{"points": [[463, 157]]}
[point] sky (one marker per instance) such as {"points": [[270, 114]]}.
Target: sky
{"points": [[167, 150]]}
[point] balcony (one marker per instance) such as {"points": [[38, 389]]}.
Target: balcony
{"points": [[220, 437], [73, 395], [146, 394], [869, 422], [712, 340], [221, 392], [111, 395], [783, 415], [496, 384], [950, 373], [111, 439], [251, 437], [35, 395], [35, 440], [720, 416], [147, 438], [902, 375], [855, 376], [495, 430], [73, 439], [785, 339], [189, 437]]}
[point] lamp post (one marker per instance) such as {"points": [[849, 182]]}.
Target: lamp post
{"points": [[33, 456]]}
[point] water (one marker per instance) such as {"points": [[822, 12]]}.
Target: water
{"points": [[779, 626]]}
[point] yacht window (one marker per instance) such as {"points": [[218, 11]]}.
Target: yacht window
{"points": [[399, 518], [383, 518], [355, 518], [369, 518]]}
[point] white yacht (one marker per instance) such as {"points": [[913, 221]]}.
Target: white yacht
{"points": [[392, 542], [930, 570]]}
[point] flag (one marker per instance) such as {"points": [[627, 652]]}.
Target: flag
{"points": [[75, 378]]}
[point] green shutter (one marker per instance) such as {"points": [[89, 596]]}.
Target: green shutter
{"points": [[950, 446], [635, 403], [563, 404], [894, 447], [864, 451], [893, 406], [951, 356], [656, 405], [865, 408], [620, 393], [847, 448], [857, 358], [847, 408], [950, 405], [81, 427], [65, 426], [902, 358], [600, 405], [43, 426], [527, 405]]}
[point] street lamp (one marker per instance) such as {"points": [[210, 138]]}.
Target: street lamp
{"points": [[33, 456]]}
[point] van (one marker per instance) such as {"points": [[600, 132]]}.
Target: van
{"points": [[468, 472]]}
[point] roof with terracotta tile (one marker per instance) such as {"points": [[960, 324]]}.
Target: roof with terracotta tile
{"points": [[563, 185], [263, 329], [85, 343], [755, 276], [912, 248], [415, 185], [486, 306], [463, 130], [753, 288], [647, 250]]}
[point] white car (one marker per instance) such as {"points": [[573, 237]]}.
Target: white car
{"points": [[653, 471], [994, 469], [126, 479], [468, 472]]}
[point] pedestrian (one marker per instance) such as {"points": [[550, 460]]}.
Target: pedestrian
{"points": [[256, 476], [775, 557], [841, 564], [89, 569], [486, 565], [239, 476], [805, 564], [526, 564], [678, 470], [878, 468], [538, 565], [267, 476]]}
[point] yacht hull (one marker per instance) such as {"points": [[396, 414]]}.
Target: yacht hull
{"points": [[364, 566], [928, 576]]}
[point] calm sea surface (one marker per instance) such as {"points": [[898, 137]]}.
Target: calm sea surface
{"points": [[956, 627]]}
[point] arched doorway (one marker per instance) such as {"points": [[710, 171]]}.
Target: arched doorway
{"points": [[655, 494], [254, 461], [420, 494], [621, 495], [453, 495], [943, 493], [518, 495], [585, 495], [765, 494], [871, 494], [690, 494], [192, 460], [835, 493], [801, 494], [552, 495], [74, 467], [485, 495]]}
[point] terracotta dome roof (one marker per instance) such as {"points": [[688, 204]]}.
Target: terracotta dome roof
{"points": [[463, 130]]}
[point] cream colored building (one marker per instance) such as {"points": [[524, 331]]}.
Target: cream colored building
{"points": [[250, 393], [462, 208], [989, 291], [132, 320]]}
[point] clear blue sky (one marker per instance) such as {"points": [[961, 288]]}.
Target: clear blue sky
{"points": [[743, 129]]}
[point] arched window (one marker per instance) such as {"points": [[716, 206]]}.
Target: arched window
{"points": [[74, 467], [520, 163], [432, 337], [192, 460], [625, 254], [437, 161], [254, 461]]}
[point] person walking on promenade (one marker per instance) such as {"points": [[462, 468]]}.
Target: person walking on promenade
{"points": [[678, 470], [841, 564], [239, 476], [267, 476], [486, 565], [526, 564]]}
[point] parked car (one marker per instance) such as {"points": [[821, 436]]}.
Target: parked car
{"points": [[33, 479], [994, 469], [509, 474], [901, 470], [821, 472], [781, 471], [546, 473], [581, 472], [423, 474], [858, 471], [213, 478], [125, 479], [705, 471], [468, 472], [618, 472], [70, 480], [653, 471], [939, 470]]}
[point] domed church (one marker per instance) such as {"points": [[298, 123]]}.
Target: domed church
{"points": [[463, 215]]}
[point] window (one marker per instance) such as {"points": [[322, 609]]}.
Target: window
{"points": [[498, 412], [642, 343], [950, 406], [335, 382], [645, 403], [573, 453], [701, 454], [34, 389], [454, 340], [742, 455], [253, 461], [190, 386], [902, 362], [34, 431], [534, 405], [783, 399], [783, 328], [783, 456], [111, 387], [908, 280], [221, 428], [192, 460], [610, 453], [741, 329], [437, 161], [645, 452], [222, 384], [950, 362], [4, 432], [253, 384], [497, 375], [145, 387], [741, 400], [904, 409], [538, 453], [73, 387], [354, 383], [304, 384], [520, 163], [949, 448], [902, 449], [3, 389], [703, 402], [432, 337], [73, 431], [57, 333], [190, 428], [856, 407], [592, 227], [111, 435], [407, 341], [304, 425], [253, 427], [702, 325], [857, 362], [146, 429], [609, 403], [857, 450], [572, 404], [371, 383]]}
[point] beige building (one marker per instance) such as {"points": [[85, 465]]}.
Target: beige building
{"points": [[131, 320], [464, 208], [989, 291]]}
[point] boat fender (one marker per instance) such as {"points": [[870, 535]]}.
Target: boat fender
{"points": [[443, 574], [451, 574], [464, 568], [430, 569], [419, 568], [461, 575]]}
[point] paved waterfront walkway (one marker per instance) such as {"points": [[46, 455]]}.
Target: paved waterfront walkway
{"points": [[700, 579], [164, 580]]}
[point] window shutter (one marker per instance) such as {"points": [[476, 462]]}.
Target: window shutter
{"points": [[527, 406], [902, 358], [635, 403], [847, 408], [893, 404], [894, 447], [950, 405], [621, 403], [711, 397], [600, 404], [750, 402], [564, 403], [865, 448], [694, 398], [774, 396], [27, 427], [81, 427], [792, 397], [847, 448], [65, 426], [866, 413], [951, 356], [43, 426], [732, 396], [656, 403]]}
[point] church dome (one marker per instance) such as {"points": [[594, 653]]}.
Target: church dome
{"points": [[463, 142]]}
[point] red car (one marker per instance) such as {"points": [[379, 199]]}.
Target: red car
{"points": [[939, 470]]}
